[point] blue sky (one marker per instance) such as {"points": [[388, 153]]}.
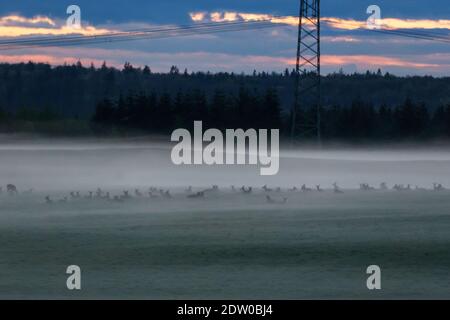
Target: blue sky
{"points": [[268, 50]]}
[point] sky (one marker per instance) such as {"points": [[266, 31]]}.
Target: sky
{"points": [[346, 45]]}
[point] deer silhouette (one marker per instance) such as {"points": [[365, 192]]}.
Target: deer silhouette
{"points": [[11, 189]]}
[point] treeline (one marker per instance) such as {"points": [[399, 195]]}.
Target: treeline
{"points": [[42, 121], [163, 113], [75, 90], [405, 122], [253, 109]]}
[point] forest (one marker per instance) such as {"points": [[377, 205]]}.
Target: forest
{"points": [[358, 122], [89, 100]]}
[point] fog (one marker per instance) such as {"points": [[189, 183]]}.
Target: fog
{"points": [[227, 244], [69, 165]]}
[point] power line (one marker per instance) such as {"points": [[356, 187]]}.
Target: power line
{"points": [[431, 36], [154, 33], [135, 37], [36, 39], [186, 30]]}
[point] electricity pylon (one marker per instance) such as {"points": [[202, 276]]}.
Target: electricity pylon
{"points": [[307, 78]]}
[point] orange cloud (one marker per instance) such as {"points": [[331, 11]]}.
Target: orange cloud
{"points": [[388, 23], [344, 24], [361, 61], [19, 19], [161, 61], [12, 31], [231, 16], [17, 26], [415, 24], [198, 16], [337, 23], [364, 61]]}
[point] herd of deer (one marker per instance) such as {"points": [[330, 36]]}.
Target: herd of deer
{"points": [[156, 193]]}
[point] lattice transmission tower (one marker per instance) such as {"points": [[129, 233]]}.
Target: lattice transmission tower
{"points": [[306, 111]]}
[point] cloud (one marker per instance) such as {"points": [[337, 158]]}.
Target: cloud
{"points": [[230, 53], [201, 61], [388, 23], [391, 23], [333, 22], [22, 20], [10, 31], [17, 26], [363, 62], [346, 39], [370, 61], [198, 16], [231, 16]]}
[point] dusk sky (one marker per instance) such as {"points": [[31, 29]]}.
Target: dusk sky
{"points": [[344, 42]]}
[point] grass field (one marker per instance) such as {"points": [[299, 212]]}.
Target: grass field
{"points": [[229, 245]]}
